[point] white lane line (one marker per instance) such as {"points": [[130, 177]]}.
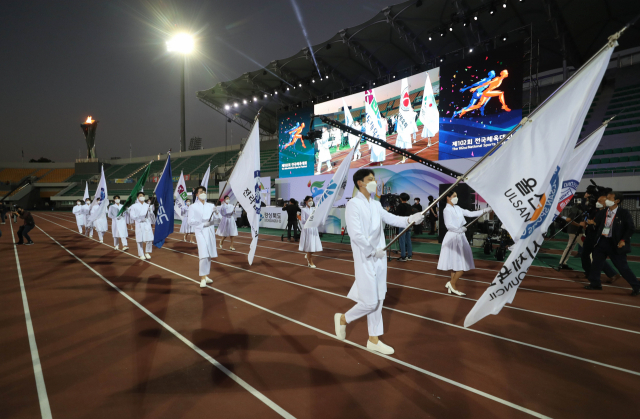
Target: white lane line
{"points": [[264, 399], [315, 329], [387, 308], [43, 398]]}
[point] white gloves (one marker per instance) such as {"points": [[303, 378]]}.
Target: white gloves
{"points": [[380, 253], [206, 224], [462, 229], [416, 218], [487, 210]]}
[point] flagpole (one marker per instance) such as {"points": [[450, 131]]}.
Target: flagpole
{"points": [[610, 44], [165, 166]]}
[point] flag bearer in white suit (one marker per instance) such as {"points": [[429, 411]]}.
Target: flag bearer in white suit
{"points": [[118, 225], [88, 225], [324, 155], [200, 218], [364, 217], [185, 228], [227, 227], [101, 225], [455, 254], [309, 237], [139, 213], [79, 213]]}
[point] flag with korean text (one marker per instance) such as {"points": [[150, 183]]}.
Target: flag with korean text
{"points": [[522, 180], [374, 126], [406, 117], [180, 196], [245, 183], [164, 195], [429, 115], [101, 193]]}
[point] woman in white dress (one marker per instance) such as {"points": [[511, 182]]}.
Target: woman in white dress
{"points": [[455, 254], [185, 228], [228, 227], [309, 237]]}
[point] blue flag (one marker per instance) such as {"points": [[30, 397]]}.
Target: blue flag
{"points": [[164, 194]]}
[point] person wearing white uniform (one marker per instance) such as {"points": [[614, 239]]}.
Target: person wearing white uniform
{"points": [[354, 141], [185, 228], [201, 219], [79, 213], [118, 225], [455, 254], [139, 213], [227, 227], [88, 225], [100, 223], [324, 155], [309, 237], [365, 217]]}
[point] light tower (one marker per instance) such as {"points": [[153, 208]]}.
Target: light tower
{"points": [[182, 43]]}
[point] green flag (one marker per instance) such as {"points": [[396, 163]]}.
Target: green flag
{"points": [[139, 185]]}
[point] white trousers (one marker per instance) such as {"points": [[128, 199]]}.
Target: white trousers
{"points": [[123, 240], [567, 250], [373, 313], [140, 249], [100, 234], [205, 266], [80, 228], [89, 231]]}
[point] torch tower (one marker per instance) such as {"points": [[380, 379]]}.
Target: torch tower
{"points": [[89, 129]]}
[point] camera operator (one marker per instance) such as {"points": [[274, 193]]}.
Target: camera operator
{"points": [[574, 230], [3, 210], [594, 203], [417, 208], [405, 210], [292, 210], [26, 227]]}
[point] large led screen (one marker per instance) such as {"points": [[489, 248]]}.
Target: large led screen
{"points": [[480, 101], [296, 156]]}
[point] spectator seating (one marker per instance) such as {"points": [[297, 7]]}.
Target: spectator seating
{"points": [[56, 176], [14, 175]]}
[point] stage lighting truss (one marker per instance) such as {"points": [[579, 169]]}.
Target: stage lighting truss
{"points": [[384, 144]]}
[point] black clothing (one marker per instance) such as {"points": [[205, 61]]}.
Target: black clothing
{"points": [[621, 228], [404, 210], [24, 231], [590, 239], [417, 229], [28, 218], [292, 219], [417, 207], [433, 218]]}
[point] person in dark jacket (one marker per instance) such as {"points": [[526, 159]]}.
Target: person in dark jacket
{"points": [[292, 210], [26, 227], [405, 210], [593, 208], [575, 215], [417, 208], [433, 216], [614, 228]]}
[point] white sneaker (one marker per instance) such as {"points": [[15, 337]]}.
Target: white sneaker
{"points": [[341, 330], [124, 249], [100, 240], [380, 347], [209, 280], [143, 258], [147, 255], [116, 247], [203, 283]]}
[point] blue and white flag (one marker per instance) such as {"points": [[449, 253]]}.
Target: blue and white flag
{"points": [[164, 195], [523, 179], [101, 193], [245, 184]]}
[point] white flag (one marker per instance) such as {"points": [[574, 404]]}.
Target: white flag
{"points": [[332, 192], [86, 191], [522, 179], [245, 182], [406, 118], [374, 126], [101, 193], [205, 180], [429, 115], [180, 196], [348, 121]]}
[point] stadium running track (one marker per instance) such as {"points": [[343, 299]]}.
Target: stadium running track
{"points": [[108, 335]]}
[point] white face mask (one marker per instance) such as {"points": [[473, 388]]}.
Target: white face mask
{"points": [[599, 205], [77, 203], [371, 187], [117, 201], [609, 203], [188, 203], [226, 201], [203, 196], [454, 201], [141, 198], [310, 203], [88, 202]]}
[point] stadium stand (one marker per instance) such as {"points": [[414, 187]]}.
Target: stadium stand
{"points": [[56, 176], [79, 178], [14, 175]]}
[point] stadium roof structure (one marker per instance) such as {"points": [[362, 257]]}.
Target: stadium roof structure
{"points": [[417, 35]]}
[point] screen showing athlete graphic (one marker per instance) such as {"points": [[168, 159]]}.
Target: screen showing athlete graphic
{"points": [[480, 101], [296, 156]]}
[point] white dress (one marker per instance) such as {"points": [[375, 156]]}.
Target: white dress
{"points": [[364, 220], [309, 237], [139, 213], [185, 228], [323, 148], [455, 254], [205, 236], [228, 225], [79, 213], [118, 225]]}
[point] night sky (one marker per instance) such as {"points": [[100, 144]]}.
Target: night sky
{"points": [[64, 60]]}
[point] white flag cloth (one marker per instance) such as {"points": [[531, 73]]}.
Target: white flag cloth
{"points": [[86, 191], [429, 115], [245, 182], [406, 118], [374, 126], [521, 181], [348, 121], [180, 196], [332, 192], [101, 193], [205, 180]]}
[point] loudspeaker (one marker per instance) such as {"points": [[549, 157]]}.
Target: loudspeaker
{"points": [[466, 200]]}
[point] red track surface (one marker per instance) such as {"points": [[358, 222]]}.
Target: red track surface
{"points": [[561, 351]]}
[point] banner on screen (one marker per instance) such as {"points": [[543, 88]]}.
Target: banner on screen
{"points": [[296, 156], [480, 101]]}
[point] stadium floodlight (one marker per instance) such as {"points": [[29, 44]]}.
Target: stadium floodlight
{"points": [[475, 17], [451, 28], [300, 84], [226, 107], [492, 10], [470, 49], [327, 77], [255, 99], [429, 37], [504, 5], [235, 105], [181, 42], [265, 95], [287, 89], [504, 37], [313, 80], [244, 101]]}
